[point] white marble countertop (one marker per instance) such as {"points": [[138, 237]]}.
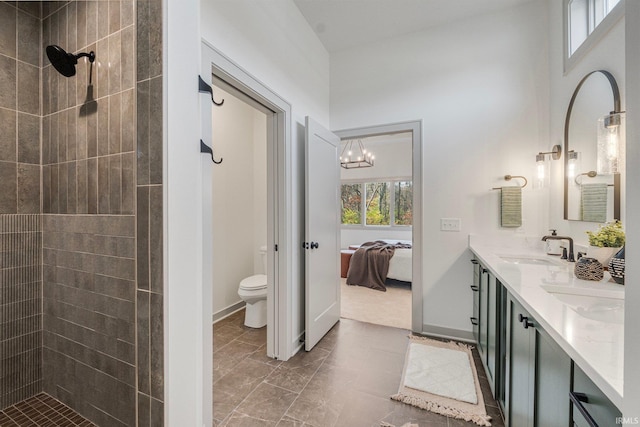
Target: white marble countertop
{"points": [[585, 318]]}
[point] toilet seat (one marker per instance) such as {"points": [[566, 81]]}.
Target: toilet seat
{"points": [[254, 283]]}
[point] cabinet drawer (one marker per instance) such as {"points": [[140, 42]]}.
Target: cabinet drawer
{"points": [[597, 405]]}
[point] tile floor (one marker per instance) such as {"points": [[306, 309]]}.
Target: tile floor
{"points": [[345, 381], [41, 410]]}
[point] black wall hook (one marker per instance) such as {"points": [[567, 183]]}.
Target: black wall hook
{"points": [[204, 148], [205, 88]]}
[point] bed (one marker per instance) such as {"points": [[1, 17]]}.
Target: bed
{"points": [[367, 268]]}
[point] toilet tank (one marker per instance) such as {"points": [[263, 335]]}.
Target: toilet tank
{"points": [[263, 256]]}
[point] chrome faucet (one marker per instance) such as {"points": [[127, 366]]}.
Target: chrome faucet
{"points": [[570, 257]]}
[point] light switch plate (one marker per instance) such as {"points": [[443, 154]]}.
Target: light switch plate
{"points": [[450, 224]]}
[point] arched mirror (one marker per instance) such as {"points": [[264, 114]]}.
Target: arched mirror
{"points": [[593, 150]]}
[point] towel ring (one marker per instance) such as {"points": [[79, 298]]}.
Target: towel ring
{"points": [[590, 174], [510, 177]]}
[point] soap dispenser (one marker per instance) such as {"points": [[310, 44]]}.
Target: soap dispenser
{"points": [[553, 245]]}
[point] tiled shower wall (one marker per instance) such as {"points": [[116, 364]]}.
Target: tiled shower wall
{"points": [[20, 308], [19, 109], [20, 235], [87, 153], [149, 214]]}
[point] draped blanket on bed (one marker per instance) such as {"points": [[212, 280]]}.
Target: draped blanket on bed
{"points": [[370, 264]]}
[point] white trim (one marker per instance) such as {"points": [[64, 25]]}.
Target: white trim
{"points": [[415, 127], [279, 212], [227, 311], [609, 21]]}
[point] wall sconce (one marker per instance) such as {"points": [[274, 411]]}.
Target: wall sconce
{"points": [[610, 131], [542, 176]]}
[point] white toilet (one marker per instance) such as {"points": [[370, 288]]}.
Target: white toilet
{"points": [[253, 291]]}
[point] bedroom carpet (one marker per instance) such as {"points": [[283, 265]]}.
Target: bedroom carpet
{"points": [[391, 308]]}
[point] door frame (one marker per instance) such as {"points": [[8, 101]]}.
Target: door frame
{"points": [[415, 127], [279, 211]]}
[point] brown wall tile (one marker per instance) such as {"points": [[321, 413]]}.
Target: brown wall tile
{"points": [[155, 132], [8, 186], [8, 135], [115, 63], [28, 189], [28, 138], [28, 38], [155, 240], [7, 82], [115, 123], [143, 346], [8, 30], [142, 226], [28, 88], [143, 132], [157, 346]]}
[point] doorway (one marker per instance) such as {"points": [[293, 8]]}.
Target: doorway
{"points": [[390, 224], [279, 235], [239, 220]]}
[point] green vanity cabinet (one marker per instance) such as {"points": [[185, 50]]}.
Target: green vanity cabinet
{"points": [[538, 374], [531, 377], [475, 288], [486, 290], [589, 402], [484, 311]]}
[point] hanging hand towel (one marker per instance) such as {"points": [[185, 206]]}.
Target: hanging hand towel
{"points": [[511, 206], [594, 202]]}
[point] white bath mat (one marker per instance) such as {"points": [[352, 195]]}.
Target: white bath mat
{"points": [[441, 377]]}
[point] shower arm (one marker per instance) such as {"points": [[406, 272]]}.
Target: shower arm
{"points": [[91, 55]]}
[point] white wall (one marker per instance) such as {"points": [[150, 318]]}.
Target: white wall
{"points": [[239, 196], [187, 321], [273, 42], [480, 86], [392, 158], [608, 54]]}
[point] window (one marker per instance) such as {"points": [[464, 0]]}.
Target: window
{"points": [[583, 24], [351, 204], [384, 203], [378, 209], [404, 202]]}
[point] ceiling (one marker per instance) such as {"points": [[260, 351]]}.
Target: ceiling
{"points": [[343, 24]]}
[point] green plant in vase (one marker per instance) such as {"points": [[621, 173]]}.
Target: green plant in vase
{"points": [[606, 241]]}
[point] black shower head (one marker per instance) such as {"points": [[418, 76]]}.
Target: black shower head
{"points": [[65, 62]]}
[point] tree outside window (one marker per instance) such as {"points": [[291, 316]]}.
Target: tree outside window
{"points": [[377, 207], [403, 203], [387, 203], [351, 200]]}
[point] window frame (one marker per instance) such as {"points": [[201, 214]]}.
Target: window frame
{"points": [[363, 212], [595, 34]]}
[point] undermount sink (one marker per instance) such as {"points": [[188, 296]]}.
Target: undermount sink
{"points": [[583, 288], [526, 259], [608, 310]]}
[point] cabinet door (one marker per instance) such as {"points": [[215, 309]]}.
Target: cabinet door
{"points": [[597, 405], [475, 288], [520, 369], [491, 329], [484, 307], [553, 383]]}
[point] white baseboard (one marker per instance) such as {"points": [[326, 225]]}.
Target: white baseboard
{"points": [[455, 334], [228, 311]]}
